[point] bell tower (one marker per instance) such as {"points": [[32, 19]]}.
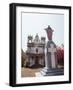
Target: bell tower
{"points": [[30, 39]]}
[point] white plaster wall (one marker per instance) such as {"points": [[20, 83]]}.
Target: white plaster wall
{"points": [[33, 50], [41, 61]]}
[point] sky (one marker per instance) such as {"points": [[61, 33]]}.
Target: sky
{"points": [[33, 23]]}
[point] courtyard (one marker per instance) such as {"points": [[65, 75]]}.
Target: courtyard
{"points": [[29, 72]]}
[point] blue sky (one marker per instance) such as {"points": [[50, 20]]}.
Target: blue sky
{"points": [[33, 23]]}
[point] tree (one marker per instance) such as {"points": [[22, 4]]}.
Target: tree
{"points": [[60, 55]]}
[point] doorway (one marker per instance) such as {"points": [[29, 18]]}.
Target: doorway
{"points": [[36, 61]]}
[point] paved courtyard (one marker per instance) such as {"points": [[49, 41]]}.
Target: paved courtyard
{"points": [[29, 72]]}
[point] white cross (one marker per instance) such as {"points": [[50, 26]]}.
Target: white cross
{"points": [[52, 50]]}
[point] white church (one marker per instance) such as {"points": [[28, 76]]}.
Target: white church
{"points": [[35, 51]]}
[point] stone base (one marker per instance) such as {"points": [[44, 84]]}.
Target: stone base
{"points": [[50, 72]]}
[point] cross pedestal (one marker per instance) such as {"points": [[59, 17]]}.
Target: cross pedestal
{"points": [[52, 50]]}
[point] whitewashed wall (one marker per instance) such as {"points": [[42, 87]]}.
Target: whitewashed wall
{"points": [[33, 50]]}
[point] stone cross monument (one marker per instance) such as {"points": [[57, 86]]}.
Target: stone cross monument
{"points": [[50, 68], [51, 49]]}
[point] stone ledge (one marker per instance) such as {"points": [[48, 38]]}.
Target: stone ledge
{"points": [[50, 72]]}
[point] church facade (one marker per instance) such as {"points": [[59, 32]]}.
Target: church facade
{"points": [[35, 51]]}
